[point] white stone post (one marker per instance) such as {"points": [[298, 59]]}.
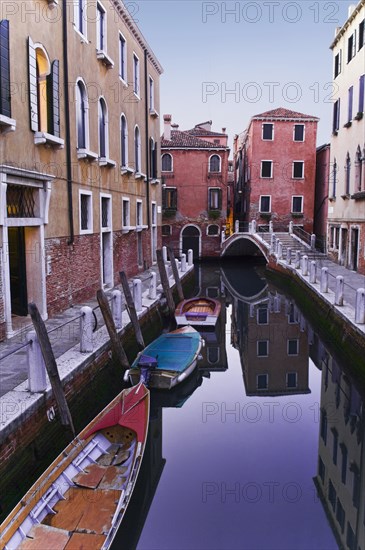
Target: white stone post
{"points": [[272, 242], [152, 291], [236, 226], [339, 290], [280, 250], [190, 257], [291, 227], [183, 263], [324, 280], [360, 306], [137, 294], [250, 227], [117, 308], [86, 330], [297, 259], [271, 227], [223, 236], [305, 266], [164, 254], [253, 226], [252, 311], [312, 272], [36, 367], [313, 242], [288, 256]]}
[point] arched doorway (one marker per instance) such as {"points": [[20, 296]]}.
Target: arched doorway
{"points": [[190, 238]]}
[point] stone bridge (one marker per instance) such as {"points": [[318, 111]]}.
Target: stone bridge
{"points": [[245, 244]]}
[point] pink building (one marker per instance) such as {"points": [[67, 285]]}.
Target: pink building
{"points": [[194, 176], [275, 161]]}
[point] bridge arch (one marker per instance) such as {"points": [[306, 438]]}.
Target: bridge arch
{"points": [[244, 245]]}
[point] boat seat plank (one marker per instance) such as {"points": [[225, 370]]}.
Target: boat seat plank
{"points": [[121, 457], [91, 477], [98, 512], [113, 478], [42, 536], [85, 541], [70, 510], [107, 458]]}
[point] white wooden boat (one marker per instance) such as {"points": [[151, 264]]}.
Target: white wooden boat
{"points": [[200, 311], [80, 500]]}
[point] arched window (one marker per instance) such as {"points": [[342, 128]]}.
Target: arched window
{"points": [[358, 170], [166, 162], [347, 173], [43, 71], [137, 149], [81, 116], [213, 230], [123, 141], [215, 163], [103, 128]]}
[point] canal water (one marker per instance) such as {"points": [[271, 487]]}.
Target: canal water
{"points": [[262, 447]]}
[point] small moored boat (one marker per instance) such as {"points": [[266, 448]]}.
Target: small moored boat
{"points": [[80, 500], [199, 311], [168, 360]]}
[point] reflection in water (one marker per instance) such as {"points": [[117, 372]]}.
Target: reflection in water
{"points": [[240, 462]]}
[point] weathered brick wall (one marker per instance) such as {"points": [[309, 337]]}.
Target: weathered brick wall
{"points": [[210, 245]]}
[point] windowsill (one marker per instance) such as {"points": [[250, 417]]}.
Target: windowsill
{"points": [[7, 124], [43, 138], [126, 170], [359, 116], [136, 96], [139, 175], [345, 197], [348, 124], [212, 174], [140, 228], [298, 179], [127, 228], [87, 155], [155, 181], [360, 195], [332, 199], [154, 113], [123, 81], [83, 38], [86, 231], [103, 161], [335, 133], [297, 215], [105, 59]]}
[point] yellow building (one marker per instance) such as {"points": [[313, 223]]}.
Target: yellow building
{"points": [[79, 160]]}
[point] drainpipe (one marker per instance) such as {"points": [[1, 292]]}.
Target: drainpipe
{"points": [[67, 122], [147, 141]]}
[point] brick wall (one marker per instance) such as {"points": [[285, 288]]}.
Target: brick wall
{"points": [[210, 245]]}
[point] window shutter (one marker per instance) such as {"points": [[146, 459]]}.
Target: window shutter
{"points": [[174, 199], [33, 91], [5, 107], [164, 198], [154, 175], [361, 93], [54, 98], [219, 199]]}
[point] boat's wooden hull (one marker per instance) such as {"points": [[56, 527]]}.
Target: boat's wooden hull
{"points": [[200, 312], [81, 499]]}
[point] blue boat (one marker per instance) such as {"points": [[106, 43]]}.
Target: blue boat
{"points": [[168, 360]]}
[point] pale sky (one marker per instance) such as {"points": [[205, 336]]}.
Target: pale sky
{"points": [[227, 61]]}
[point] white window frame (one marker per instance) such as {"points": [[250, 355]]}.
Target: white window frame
{"points": [[123, 77], [257, 316], [296, 380], [299, 140], [124, 167], [220, 164], [153, 214], [303, 166], [139, 208], [292, 204], [128, 227], [266, 212], [89, 194], [213, 225], [271, 172], [76, 23], [109, 227], [172, 162], [287, 347], [101, 29], [170, 229], [136, 76], [267, 348], [273, 131], [151, 94], [101, 101], [220, 196]]}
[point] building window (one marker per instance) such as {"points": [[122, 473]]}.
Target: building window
{"points": [[122, 57], [268, 132], [213, 230], [105, 213], [266, 169], [86, 212], [293, 347], [338, 64], [334, 178], [361, 93], [20, 201], [215, 163], [265, 204], [262, 381], [297, 205], [358, 169], [332, 495], [153, 159], [262, 316], [323, 430], [136, 77], [361, 34], [298, 169], [103, 128], [343, 462], [351, 47], [139, 214], [335, 445], [213, 355], [151, 87], [321, 470], [100, 27], [350, 103], [123, 141], [81, 116], [166, 230], [347, 174], [340, 515], [214, 199], [169, 198], [299, 132], [350, 538], [166, 162], [137, 149], [336, 116], [126, 213], [80, 16], [291, 380], [263, 348], [5, 95]]}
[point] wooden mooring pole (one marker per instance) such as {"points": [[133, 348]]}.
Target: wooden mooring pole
{"points": [[132, 310], [176, 274], [51, 366], [116, 344], [165, 283]]}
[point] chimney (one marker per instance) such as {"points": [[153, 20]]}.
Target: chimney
{"points": [[167, 127], [224, 130], [175, 126]]}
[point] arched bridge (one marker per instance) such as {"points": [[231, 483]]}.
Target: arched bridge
{"points": [[245, 244]]}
